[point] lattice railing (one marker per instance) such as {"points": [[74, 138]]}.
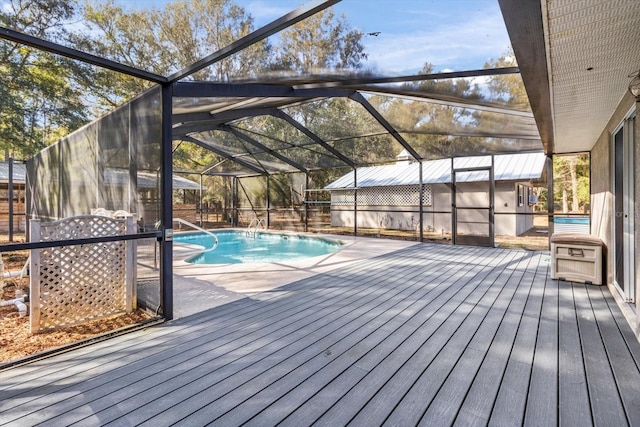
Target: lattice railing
{"points": [[401, 195], [74, 284]]}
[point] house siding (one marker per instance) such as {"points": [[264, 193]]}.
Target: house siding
{"points": [[602, 198], [437, 216]]}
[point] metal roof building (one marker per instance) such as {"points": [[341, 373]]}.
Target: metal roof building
{"points": [[507, 167]]}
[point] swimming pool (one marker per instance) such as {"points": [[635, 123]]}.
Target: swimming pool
{"points": [[571, 220], [236, 247], [563, 224]]}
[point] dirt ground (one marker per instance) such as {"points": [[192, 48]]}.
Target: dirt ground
{"points": [[16, 340]]}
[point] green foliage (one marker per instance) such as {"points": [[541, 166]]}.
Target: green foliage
{"points": [[571, 179], [320, 42], [39, 99]]}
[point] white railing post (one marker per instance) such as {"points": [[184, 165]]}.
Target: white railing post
{"points": [[34, 278], [130, 267]]}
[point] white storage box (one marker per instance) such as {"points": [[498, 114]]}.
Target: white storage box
{"points": [[576, 258]]}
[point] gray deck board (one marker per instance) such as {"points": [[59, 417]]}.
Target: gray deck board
{"points": [[181, 367], [404, 340], [263, 385], [472, 388], [379, 340], [606, 407], [575, 408], [435, 405], [510, 403], [623, 365], [392, 377], [431, 335], [542, 403]]}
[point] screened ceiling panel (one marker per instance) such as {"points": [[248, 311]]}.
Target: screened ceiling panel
{"points": [[381, 148], [273, 132], [413, 115], [227, 142], [310, 155], [335, 118], [443, 146]]}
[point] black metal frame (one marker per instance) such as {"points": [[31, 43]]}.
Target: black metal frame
{"points": [[490, 208], [257, 99]]}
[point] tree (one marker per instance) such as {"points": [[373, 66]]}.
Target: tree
{"points": [[320, 42], [571, 183], [39, 98], [166, 40]]}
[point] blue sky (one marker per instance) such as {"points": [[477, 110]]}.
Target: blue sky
{"points": [[451, 34]]}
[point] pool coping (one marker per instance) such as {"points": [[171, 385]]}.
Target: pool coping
{"points": [[198, 287]]}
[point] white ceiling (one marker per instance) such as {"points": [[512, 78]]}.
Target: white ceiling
{"points": [[604, 35]]}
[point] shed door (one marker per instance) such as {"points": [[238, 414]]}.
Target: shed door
{"points": [[472, 207]]}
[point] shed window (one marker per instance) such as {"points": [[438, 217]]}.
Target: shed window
{"points": [[521, 194]]}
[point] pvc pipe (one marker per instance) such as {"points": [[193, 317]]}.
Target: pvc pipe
{"points": [[22, 308], [9, 274], [19, 303]]}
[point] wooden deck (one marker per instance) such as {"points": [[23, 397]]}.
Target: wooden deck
{"points": [[430, 335]]}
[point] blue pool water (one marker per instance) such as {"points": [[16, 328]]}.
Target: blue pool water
{"points": [[236, 247], [570, 220]]}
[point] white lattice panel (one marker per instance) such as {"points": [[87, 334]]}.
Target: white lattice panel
{"points": [[406, 195], [81, 282]]}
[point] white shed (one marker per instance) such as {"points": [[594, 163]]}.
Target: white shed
{"points": [[388, 196]]}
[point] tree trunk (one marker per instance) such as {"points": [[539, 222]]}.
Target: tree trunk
{"points": [[575, 204], [565, 201]]}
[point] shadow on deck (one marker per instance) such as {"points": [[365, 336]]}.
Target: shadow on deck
{"points": [[429, 334]]}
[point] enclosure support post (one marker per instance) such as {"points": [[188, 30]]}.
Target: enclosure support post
{"points": [[268, 200], [420, 196], [234, 202], [200, 194], [453, 205], [166, 243], [305, 199], [492, 191], [549, 167], [355, 202], [10, 197]]}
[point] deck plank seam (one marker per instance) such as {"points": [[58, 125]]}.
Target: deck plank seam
{"points": [[508, 309], [353, 365], [517, 338], [490, 290], [467, 263], [365, 279], [424, 321]]}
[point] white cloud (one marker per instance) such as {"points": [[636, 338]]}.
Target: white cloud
{"points": [[264, 11], [454, 45]]}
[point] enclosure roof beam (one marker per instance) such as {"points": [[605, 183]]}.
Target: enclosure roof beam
{"points": [[411, 78], [242, 43], [293, 122], [246, 138], [224, 154], [45, 45], [442, 99], [217, 118], [251, 90], [394, 133]]}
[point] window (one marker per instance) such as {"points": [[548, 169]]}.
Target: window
{"points": [[520, 195]]}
